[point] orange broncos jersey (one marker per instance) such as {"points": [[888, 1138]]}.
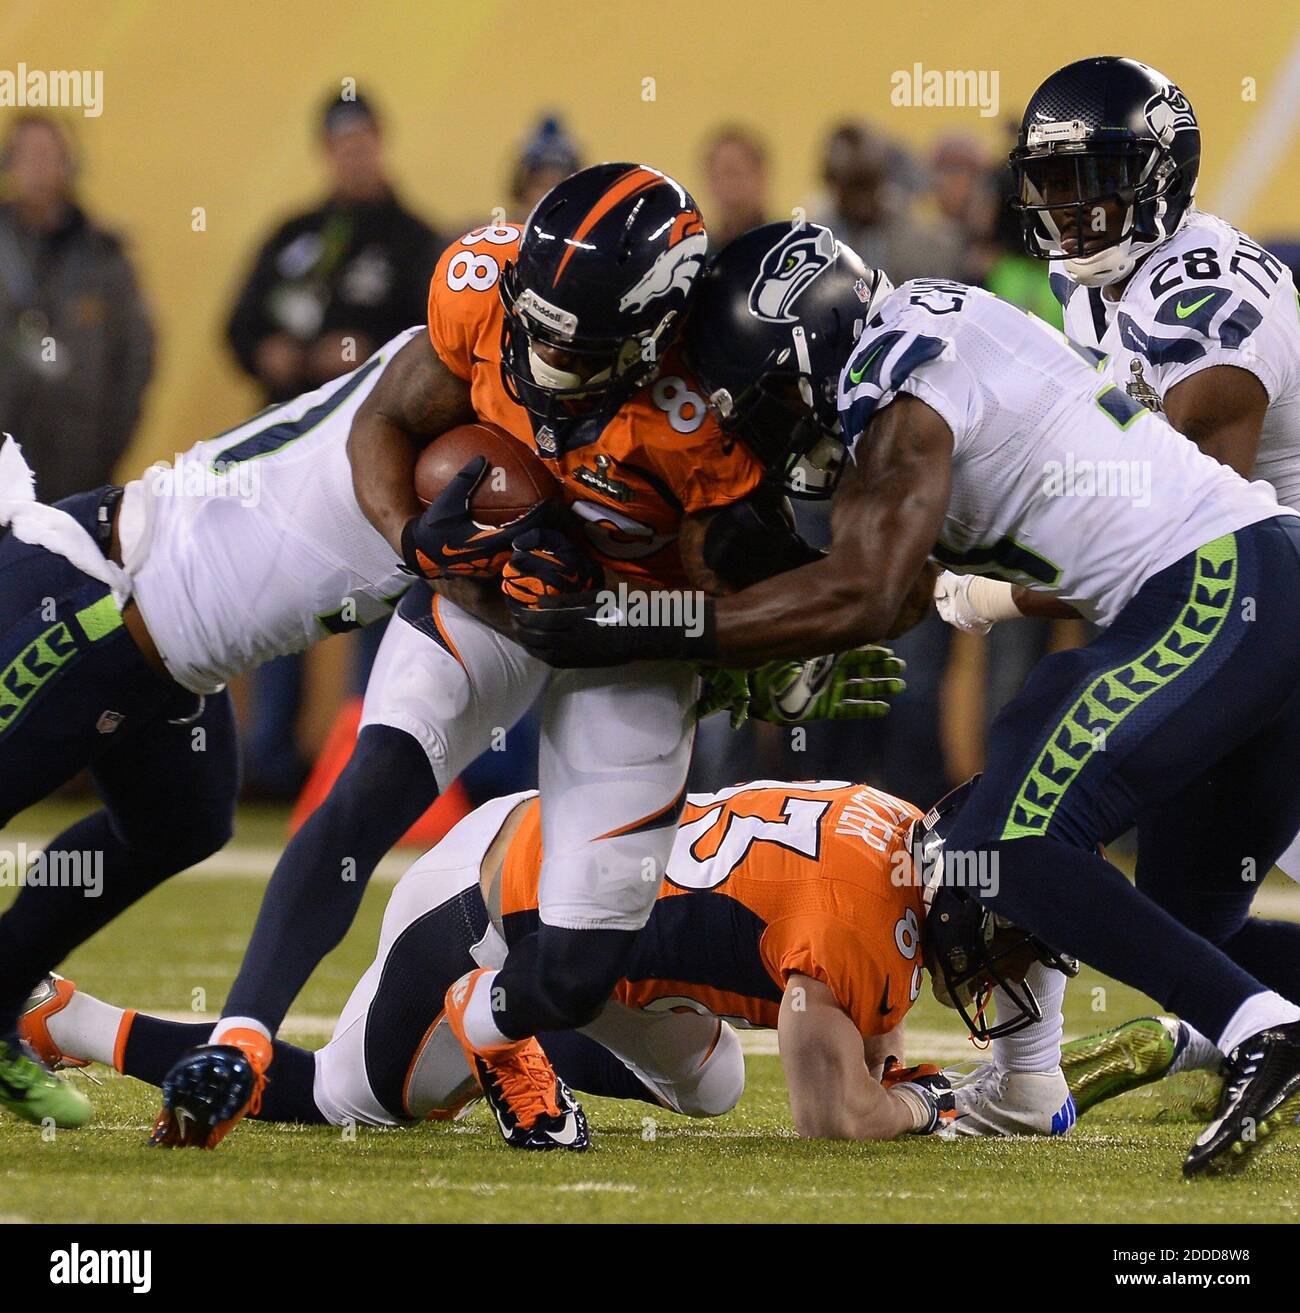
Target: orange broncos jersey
{"points": [[659, 457], [767, 880]]}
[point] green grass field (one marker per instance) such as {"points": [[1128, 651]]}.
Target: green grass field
{"points": [[181, 948]]}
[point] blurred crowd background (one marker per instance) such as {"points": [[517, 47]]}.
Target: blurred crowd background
{"points": [[337, 261]]}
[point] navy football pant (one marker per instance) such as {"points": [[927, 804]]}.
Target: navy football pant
{"points": [[1184, 718], [76, 694]]}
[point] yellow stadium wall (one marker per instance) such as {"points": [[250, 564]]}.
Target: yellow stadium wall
{"points": [[214, 106]]}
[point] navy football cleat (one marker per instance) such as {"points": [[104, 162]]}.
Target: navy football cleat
{"points": [[205, 1094], [1261, 1096]]}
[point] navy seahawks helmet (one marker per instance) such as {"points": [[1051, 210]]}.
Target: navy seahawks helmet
{"points": [[968, 948], [1105, 167], [778, 311], [606, 269]]}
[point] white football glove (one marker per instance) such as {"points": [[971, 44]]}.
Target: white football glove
{"points": [[995, 1102], [971, 603]]}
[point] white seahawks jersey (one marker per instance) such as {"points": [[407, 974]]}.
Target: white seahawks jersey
{"points": [[1060, 481], [1208, 296], [253, 545]]}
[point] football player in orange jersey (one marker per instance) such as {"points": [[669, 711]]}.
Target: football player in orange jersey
{"points": [[806, 908], [561, 331]]}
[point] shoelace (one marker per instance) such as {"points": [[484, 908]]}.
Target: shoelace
{"points": [[527, 1082]]}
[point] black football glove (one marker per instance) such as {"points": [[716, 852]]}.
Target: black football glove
{"points": [[926, 1092], [445, 540], [609, 628], [547, 563]]}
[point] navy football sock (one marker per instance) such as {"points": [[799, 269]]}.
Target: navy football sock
{"points": [[316, 888], [558, 979], [47, 921], [153, 1046], [1270, 951], [1078, 903]]}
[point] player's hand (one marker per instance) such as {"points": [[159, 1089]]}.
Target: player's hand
{"points": [[723, 689], [852, 685], [547, 563], [926, 1092], [955, 603], [609, 628], [445, 540]]}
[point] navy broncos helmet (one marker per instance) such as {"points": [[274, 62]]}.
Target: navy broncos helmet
{"points": [[606, 269], [778, 310], [1105, 167], [968, 947]]}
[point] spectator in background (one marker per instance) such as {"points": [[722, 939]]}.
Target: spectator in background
{"points": [[867, 206], [326, 289], [75, 334], [333, 284], [961, 186], [547, 157], [736, 182]]}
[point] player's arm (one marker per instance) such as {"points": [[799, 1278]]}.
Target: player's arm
{"points": [[1222, 410], [833, 1095], [885, 519], [417, 398]]}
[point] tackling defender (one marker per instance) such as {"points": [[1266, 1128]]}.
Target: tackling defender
{"points": [[123, 614], [963, 415], [805, 908]]}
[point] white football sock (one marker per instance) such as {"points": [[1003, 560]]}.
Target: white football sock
{"points": [[480, 1021], [237, 1023], [1199, 1054], [87, 1028], [1037, 1047], [1258, 1012]]}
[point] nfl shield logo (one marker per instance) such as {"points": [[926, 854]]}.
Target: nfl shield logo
{"points": [[109, 721]]}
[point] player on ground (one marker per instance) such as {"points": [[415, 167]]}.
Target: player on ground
{"points": [[796, 907], [560, 331], [123, 614], [970, 423]]}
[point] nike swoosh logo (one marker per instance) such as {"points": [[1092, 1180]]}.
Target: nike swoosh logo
{"points": [[569, 1134], [884, 999], [1182, 311], [855, 375]]}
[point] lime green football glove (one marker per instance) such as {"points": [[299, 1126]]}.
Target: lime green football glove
{"points": [[852, 685], [723, 689]]}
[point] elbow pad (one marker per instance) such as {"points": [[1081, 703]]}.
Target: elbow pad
{"points": [[749, 541]]}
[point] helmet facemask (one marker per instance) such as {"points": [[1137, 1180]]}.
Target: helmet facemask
{"points": [[970, 950], [615, 368], [787, 418]]}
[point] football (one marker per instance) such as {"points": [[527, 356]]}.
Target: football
{"points": [[515, 480]]}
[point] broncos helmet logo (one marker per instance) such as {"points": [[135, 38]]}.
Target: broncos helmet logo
{"points": [[1167, 113], [787, 270], [674, 270]]}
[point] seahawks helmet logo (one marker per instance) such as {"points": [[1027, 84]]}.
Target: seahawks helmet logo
{"points": [[787, 270], [1169, 112]]}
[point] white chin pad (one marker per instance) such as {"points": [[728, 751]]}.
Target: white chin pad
{"points": [[1103, 268], [547, 376]]}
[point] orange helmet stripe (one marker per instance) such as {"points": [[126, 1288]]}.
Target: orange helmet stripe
{"points": [[633, 181]]}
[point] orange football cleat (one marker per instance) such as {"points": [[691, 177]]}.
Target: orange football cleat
{"points": [[51, 996], [211, 1089], [534, 1108]]}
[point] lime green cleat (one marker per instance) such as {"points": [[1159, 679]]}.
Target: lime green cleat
{"points": [[1098, 1067], [33, 1092]]}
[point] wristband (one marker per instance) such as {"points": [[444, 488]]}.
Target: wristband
{"points": [[993, 599]]}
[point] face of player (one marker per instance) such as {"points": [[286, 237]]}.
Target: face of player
{"points": [[1088, 198], [1013, 967]]}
